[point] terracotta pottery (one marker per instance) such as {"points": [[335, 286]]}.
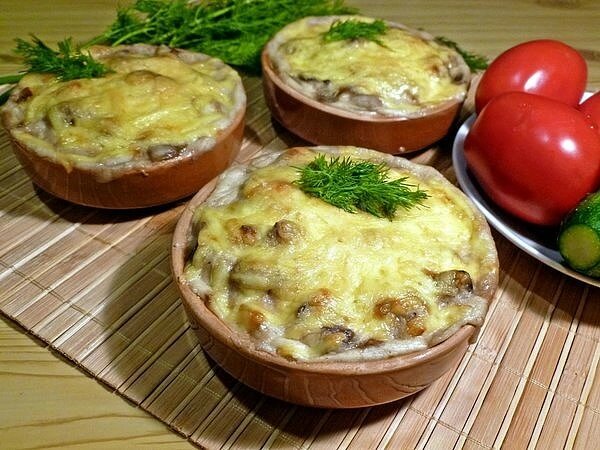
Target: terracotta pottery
{"points": [[162, 183], [331, 384], [323, 124], [137, 183]]}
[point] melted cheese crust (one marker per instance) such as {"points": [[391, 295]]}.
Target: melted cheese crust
{"points": [[406, 76], [309, 280], [156, 104]]}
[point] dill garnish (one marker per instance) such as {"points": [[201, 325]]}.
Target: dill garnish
{"points": [[352, 29], [233, 30], [68, 63], [5, 95], [475, 62], [358, 185]]}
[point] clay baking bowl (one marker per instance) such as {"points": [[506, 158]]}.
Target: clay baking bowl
{"points": [[323, 124], [331, 384], [134, 181], [162, 183]]}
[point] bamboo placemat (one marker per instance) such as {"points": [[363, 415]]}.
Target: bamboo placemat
{"points": [[96, 286]]}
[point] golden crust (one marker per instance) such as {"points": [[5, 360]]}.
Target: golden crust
{"points": [[106, 142], [407, 76], [94, 145], [336, 340]]}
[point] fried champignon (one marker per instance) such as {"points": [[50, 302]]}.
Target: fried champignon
{"points": [[60, 115], [142, 76], [457, 71], [370, 343], [23, 95], [317, 303], [162, 152], [453, 283], [324, 90], [249, 234], [284, 232], [250, 318], [68, 115], [368, 102], [409, 312], [252, 189], [330, 338], [247, 274], [336, 337], [241, 234]]}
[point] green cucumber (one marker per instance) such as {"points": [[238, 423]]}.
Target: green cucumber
{"points": [[579, 236], [580, 246]]}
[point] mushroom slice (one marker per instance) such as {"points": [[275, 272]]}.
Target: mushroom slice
{"points": [[330, 339], [250, 318], [162, 152], [409, 311], [316, 304], [241, 233], [285, 232], [254, 275], [453, 283]]}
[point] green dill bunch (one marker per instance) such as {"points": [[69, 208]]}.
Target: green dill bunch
{"points": [[354, 185], [233, 30]]}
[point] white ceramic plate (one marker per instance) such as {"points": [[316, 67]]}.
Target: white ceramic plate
{"points": [[536, 241]]}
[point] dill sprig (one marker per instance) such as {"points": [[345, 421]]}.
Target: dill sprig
{"points": [[5, 95], [352, 29], [475, 62], [232, 30], [358, 185], [67, 63]]}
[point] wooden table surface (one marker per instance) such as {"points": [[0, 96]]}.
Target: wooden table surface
{"points": [[46, 402]]}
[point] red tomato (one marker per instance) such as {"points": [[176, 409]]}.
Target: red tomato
{"points": [[535, 157], [544, 67], [591, 108]]}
